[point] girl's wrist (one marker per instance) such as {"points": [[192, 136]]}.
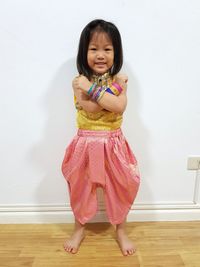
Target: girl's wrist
{"points": [[86, 86]]}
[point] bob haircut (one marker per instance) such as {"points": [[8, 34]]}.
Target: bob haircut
{"points": [[111, 30]]}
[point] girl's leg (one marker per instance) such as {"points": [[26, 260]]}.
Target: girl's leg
{"points": [[72, 244], [125, 243]]}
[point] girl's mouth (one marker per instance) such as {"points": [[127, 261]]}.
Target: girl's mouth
{"points": [[100, 64]]}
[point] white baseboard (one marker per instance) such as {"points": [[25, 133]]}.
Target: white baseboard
{"points": [[62, 214]]}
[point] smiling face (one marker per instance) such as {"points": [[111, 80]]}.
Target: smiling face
{"points": [[100, 54]]}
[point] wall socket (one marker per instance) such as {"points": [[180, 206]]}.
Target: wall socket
{"points": [[193, 163]]}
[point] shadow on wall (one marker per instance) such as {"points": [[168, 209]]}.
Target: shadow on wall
{"points": [[60, 128]]}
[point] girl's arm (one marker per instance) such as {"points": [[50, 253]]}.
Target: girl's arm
{"points": [[114, 103], [108, 101], [85, 102]]}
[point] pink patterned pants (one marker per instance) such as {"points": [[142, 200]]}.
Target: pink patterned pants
{"points": [[101, 158]]}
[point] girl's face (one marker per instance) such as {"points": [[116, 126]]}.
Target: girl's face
{"points": [[100, 55]]}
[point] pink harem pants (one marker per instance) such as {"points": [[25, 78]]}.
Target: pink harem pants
{"points": [[101, 158]]}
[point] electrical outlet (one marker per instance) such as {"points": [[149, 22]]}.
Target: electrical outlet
{"points": [[193, 163]]}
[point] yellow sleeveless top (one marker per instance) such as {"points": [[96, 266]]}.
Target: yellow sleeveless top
{"points": [[99, 121]]}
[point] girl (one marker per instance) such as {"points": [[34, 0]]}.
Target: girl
{"points": [[99, 154]]}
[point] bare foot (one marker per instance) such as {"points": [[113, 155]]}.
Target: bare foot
{"points": [[72, 244], [125, 243]]}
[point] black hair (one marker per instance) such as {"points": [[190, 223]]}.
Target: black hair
{"points": [[99, 25]]}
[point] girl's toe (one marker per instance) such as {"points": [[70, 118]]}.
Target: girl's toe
{"points": [[74, 250], [125, 253]]}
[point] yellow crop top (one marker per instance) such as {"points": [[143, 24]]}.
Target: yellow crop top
{"points": [[102, 120]]}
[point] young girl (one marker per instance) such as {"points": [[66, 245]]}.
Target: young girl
{"points": [[99, 154]]}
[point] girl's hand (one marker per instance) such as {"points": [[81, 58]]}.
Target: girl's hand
{"points": [[122, 80], [122, 77], [81, 82]]}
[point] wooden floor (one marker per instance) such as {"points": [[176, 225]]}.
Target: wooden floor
{"points": [[159, 244]]}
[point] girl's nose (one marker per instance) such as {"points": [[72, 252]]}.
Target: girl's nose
{"points": [[100, 55]]}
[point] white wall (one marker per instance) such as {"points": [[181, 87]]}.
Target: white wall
{"points": [[38, 47]]}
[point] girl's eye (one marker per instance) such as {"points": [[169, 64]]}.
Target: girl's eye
{"points": [[108, 49], [93, 49]]}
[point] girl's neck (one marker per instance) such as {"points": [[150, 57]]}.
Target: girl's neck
{"points": [[101, 79]]}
